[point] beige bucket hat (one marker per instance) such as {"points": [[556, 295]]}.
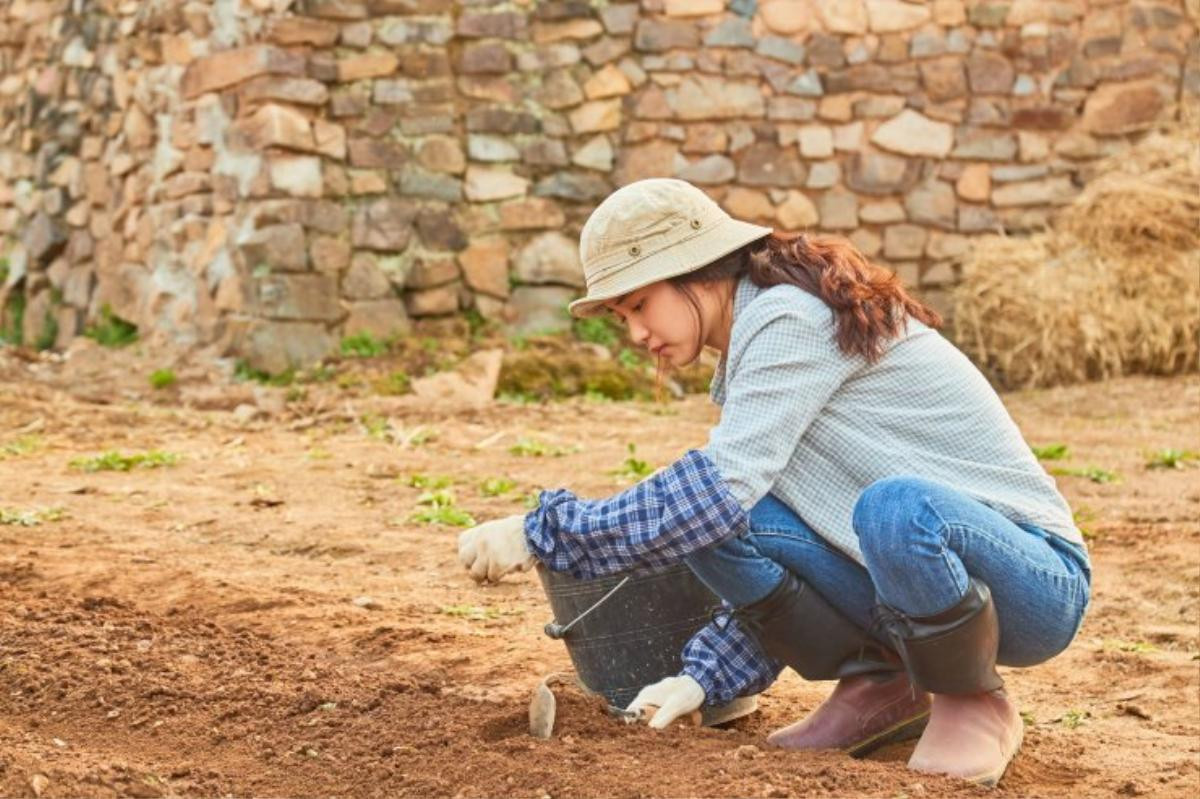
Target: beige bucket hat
{"points": [[651, 230]]}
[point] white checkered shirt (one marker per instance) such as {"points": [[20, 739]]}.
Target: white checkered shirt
{"points": [[803, 421]]}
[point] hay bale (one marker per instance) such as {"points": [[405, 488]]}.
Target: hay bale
{"points": [[1112, 289], [1146, 197]]}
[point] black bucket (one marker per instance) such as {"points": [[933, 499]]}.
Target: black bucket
{"points": [[636, 633]]}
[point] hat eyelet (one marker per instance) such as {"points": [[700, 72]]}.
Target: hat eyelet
{"points": [[696, 224], [635, 250]]}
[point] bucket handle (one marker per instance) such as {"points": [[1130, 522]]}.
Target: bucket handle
{"points": [[555, 630]]}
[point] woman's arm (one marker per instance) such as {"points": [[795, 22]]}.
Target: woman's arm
{"points": [[785, 370], [651, 525]]}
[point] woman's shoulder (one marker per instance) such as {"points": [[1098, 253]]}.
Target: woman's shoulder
{"points": [[782, 302]]}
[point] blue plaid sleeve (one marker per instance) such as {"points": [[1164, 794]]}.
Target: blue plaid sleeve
{"points": [[682, 508], [727, 662]]}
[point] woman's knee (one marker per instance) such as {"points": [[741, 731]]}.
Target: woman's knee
{"points": [[884, 517]]}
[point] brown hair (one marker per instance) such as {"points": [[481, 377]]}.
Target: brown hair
{"points": [[868, 302]]}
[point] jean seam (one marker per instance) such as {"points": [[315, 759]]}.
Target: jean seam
{"points": [[985, 533], [791, 534], [951, 572]]}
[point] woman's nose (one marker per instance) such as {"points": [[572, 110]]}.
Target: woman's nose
{"points": [[638, 332]]}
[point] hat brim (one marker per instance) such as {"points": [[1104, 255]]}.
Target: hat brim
{"points": [[686, 256]]}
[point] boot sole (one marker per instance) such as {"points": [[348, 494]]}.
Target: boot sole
{"points": [[902, 731], [992, 778]]}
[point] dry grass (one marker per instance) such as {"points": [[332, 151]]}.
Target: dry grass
{"points": [[1113, 289]]}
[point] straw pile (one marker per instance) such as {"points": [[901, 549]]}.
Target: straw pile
{"points": [[1113, 288]]}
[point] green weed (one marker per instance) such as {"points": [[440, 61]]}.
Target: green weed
{"points": [[476, 612], [1093, 473], [111, 330], [162, 378], [495, 486], [630, 359], [1136, 647], [245, 372], [31, 518], [377, 427], [363, 345], [441, 510], [1074, 718], [596, 330], [1172, 459], [532, 448], [22, 445], [14, 317], [426, 481], [114, 461], [1083, 516], [633, 467], [1051, 452], [397, 382]]}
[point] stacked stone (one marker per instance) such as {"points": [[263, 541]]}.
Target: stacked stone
{"points": [[70, 120], [278, 174]]}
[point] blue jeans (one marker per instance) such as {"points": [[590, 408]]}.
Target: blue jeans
{"points": [[920, 540]]}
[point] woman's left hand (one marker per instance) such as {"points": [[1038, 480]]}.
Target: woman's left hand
{"points": [[496, 548]]}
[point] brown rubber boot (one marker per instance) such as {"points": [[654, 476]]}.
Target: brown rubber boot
{"points": [[862, 714], [973, 737], [974, 730]]}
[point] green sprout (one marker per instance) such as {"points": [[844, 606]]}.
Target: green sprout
{"points": [[1074, 718], [111, 330], [1172, 459], [31, 518], [633, 468], [532, 448], [425, 481], [114, 461], [495, 486], [441, 510], [242, 370], [596, 330], [162, 378], [471, 612], [22, 445], [397, 382], [1136, 647], [363, 345], [1093, 473], [376, 426], [1051, 452]]}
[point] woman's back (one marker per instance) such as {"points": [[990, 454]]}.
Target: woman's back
{"points": [[923, 410]]}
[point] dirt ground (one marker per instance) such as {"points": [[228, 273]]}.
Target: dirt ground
{"points": [[264, 619]]}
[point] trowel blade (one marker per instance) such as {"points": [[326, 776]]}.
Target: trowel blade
{"points": [[542, 708]]}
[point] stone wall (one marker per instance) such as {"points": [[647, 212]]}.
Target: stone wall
{"points": [[273, 175]]}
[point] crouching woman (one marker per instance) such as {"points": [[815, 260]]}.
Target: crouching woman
{"points": [[865, 507]]}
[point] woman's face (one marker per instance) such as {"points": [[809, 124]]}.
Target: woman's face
{"points": [[661, 319]]}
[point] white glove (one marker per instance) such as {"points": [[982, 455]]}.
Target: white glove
{"points": [[673, 696], [496, 548]]}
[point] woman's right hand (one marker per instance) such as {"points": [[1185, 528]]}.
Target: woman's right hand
{"points": [[675, 697]]}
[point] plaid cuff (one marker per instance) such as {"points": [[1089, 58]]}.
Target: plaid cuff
{"points": [[652, 525], [727, 662]]}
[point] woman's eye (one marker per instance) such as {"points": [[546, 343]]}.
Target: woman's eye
{"points": [[638, 307]]}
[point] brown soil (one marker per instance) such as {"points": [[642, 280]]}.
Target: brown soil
{"points": [[194, 630]]}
